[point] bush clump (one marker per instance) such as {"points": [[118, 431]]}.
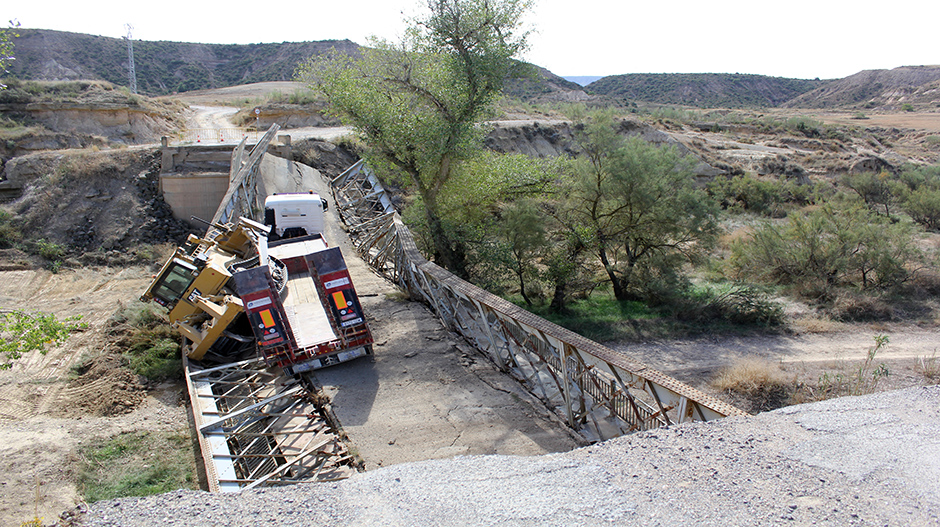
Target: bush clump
{"points": [[148, 343], [757, 384]]}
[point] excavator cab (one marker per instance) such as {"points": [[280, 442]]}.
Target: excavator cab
{"points": [[172, 282]]}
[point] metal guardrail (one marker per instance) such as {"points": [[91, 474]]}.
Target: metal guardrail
{"points": [[242, 197], [216, 135], [600, 392]]}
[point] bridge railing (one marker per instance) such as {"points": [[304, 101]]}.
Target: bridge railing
{"points": [[600, 392], [216, 135]]}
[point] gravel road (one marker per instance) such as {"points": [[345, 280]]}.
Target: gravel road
{"points": [[872, 460]]}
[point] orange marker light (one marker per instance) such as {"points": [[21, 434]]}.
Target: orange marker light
{"points": [[339, 300], [266, 318]]}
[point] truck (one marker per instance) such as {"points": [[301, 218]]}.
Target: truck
{"points": [[274, 288]]}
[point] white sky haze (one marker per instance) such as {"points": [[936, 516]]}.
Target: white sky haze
{"points": [[798, 38]]}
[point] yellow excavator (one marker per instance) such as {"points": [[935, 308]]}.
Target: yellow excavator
{"points": [[273, 288]]}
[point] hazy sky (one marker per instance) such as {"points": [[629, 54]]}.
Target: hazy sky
{"points": [[796, 38]]}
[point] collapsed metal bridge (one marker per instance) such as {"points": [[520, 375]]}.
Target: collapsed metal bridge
{"points": [[258, 427]]}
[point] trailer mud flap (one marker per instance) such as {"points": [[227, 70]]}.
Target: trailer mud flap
{"points": [[333, 277], [263, 307]]}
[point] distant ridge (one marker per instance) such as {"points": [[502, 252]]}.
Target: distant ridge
{"points": [[169, 67], [906, 87], [704, 90], [583, 80], [162, 67]]}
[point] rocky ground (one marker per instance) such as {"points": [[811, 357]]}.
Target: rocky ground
{"points": [[872, 460]]}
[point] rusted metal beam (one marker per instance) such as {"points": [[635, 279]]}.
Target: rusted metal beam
{"points": [[257, 427]]}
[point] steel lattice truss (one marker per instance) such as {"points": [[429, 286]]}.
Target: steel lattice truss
{"points": [[257, 427], [600, 392], [242, 197]]}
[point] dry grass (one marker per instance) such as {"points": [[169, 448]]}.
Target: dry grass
{"points": [[814, 324], [756, 384], [929, 367]]}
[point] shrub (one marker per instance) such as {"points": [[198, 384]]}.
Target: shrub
{"points": [[827, 247], [49, 250], [758, 384], [923, 206], [929, 367], [878, 191], [146, 340], [737, 304]]}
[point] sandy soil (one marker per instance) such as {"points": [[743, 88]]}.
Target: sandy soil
{"points": [[235, 94], [45, 414]]}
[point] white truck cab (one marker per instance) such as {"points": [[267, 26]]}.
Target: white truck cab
{"points": [[293, 215]]}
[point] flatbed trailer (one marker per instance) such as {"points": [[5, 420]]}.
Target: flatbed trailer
{"points": [[316, 320]]}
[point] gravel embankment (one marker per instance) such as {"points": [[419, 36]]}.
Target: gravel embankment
{"points": [[872, 460]]}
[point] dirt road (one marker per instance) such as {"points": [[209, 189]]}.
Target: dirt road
{"points": [[804, 357]]}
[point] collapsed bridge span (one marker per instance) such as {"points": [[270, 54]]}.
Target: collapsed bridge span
{"points": [[597, 392]]}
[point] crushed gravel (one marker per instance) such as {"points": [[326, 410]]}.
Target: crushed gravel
{"points": [[872, 460]]}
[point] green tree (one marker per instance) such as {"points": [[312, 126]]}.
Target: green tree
{"points": [[522, 229], [6, 48], [639, 203], [828, 247], [418, 102]]}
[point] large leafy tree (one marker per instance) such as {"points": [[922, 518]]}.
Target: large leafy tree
{"points": [[6, 47], [639, 206], [418, 102]]}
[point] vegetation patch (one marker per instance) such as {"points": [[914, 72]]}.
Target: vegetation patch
{"points": [[139, 463], [148, 343], [604, 318], [22, 332], [756, 384]]}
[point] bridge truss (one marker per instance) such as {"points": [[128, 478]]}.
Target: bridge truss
{"points": [[600, 392], [258, 427]]}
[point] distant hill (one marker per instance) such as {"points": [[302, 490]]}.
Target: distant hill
{"points": [[583, 80], [916, 86], [167, 67], [704, 90], [162, 67]]}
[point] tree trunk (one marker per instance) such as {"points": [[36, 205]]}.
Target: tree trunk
{"points": [[619, 285], [448, 253], [558, 298], [525, 297]]}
